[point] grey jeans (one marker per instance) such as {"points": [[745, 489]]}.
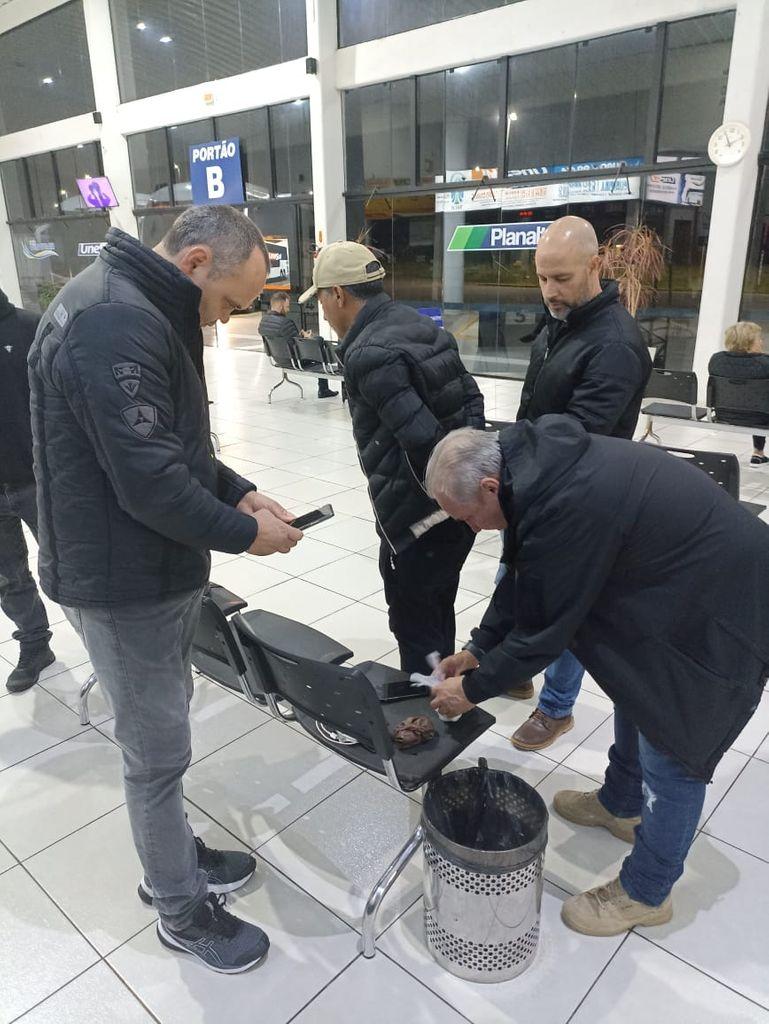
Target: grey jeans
{"points": [[19, 597], [140, 653]]}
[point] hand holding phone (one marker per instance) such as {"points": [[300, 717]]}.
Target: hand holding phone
{"points": [[318, 515]]}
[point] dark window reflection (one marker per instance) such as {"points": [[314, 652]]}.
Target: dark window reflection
{"points": [[180, 138], [45, 72], [150, 168], [360, 20], [540, 96], [694, 86], [473, 117], [250, 127], [613, 90], [431, 117], [161, 46], [290, 123], [378, 120]]}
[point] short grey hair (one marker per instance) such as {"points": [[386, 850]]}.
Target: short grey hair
{"points": [[228, 233], [460, 461]]}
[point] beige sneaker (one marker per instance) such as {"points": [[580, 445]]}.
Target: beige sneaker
{"points": [[587, 809], [608, 910]]}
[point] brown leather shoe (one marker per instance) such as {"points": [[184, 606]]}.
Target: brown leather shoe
{"points": [[523, 691], [540, 730]]}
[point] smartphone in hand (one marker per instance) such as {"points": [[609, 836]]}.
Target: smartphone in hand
{"points": [[318, 515]]}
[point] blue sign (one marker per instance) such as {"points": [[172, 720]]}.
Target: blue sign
{"points": [[216, 175]]}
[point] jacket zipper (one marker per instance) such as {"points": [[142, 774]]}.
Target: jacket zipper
{"points": [[371, 497], [544, 361], [413, 473]]}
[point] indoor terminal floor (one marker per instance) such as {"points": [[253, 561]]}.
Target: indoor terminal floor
{"points": [[77, 945]]}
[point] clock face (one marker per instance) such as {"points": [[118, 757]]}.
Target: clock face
{"points": [[729, 143]]}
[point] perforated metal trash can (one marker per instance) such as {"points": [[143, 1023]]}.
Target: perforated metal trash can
{"points": [[485, 833]]}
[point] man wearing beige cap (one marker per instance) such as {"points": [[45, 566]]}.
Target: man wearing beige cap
{"points": [[407, 388]]}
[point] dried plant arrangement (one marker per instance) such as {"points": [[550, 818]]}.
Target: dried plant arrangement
{"points": [[634, 257]]}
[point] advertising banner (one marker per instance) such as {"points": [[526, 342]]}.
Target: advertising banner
{"points": [[497, 237]]}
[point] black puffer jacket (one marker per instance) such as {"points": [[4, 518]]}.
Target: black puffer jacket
{"points": [[650, 573], [17, 331], [407, 388], [130, 497], [277, 325], [593, 365]]}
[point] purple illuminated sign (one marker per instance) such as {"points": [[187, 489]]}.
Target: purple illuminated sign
{"points": [[97, 193]]}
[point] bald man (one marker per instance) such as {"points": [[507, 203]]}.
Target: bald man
{"points": [[590, 362]]}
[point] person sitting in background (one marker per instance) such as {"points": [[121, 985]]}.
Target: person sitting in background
{"points": [[745, 359], [278, 324]]}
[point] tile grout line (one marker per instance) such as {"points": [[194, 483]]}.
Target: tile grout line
{"points": [[597, 979], [676, 956]]}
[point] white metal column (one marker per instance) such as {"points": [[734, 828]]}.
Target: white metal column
{"points": [[326, 129], [746, 100]]}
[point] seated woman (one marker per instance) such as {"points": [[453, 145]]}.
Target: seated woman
{"points": [[744, 358]]}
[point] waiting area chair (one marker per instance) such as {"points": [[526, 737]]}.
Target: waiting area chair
{"points": [[282, 356], [739, 401], [340, 707], [679, 388], [723, 468]]}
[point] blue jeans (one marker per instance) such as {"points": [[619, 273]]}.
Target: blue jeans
{"points": [[642, 780], [563, 678]]}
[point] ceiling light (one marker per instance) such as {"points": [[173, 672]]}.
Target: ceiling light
{"points": [[80, 145], [512, 116], [298, 103], [141, 26], [47, 80], [166, 39]]}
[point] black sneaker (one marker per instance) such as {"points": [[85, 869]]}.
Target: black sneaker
{"points": [[227, 871], [758, 460], [218, 939], [327, 393], [32, 661]]}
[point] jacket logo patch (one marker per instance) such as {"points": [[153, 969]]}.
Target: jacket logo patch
{"points": [[8, 348], [142, 419], [128, 376], [60, 315]]}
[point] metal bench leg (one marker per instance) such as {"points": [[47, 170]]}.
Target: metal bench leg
{"points": [[285, 379], [367, 944], [216, 443], [85, 689], [296, 385], [649, 432]]}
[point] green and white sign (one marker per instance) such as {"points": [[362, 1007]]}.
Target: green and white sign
{"points": [[481, 237]]}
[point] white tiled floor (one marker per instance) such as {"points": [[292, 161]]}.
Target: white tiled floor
{"points": [[76, 945]]}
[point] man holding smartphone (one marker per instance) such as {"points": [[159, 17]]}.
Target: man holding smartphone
{"points": [[407, 388], [131, 500]]}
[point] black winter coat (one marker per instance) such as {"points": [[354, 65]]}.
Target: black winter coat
{"points": [[593, 365], [130, 497], [740, 366], [407, 388], [277, 325], [650, 573], [17, 332]]}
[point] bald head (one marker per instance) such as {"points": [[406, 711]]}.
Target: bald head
{"points": [[567, 265]]}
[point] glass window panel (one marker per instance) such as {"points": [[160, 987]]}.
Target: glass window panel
{"points": [[180, 138], [45, 195], [45, 72], [18, 198], [431, 102], [82, 161], [161, 46], [360, 20], [250, 127], [540, 98], [694, 85], [472, 116], [378, 121], [42, 276], [614, 87], [148, 154], [290, 123], [755, 292]]}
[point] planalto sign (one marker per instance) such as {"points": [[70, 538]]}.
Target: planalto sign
{"points": [[480, 237]]}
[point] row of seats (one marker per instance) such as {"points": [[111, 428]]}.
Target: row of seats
{"points": [[312, 355], [725, 397], [297, 672]]}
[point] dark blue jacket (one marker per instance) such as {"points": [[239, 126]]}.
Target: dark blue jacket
{"points": [[130, 495], [641, 565]]}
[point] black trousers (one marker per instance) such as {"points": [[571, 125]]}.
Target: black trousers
{"points": [[19, 598], [420, 586]]}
